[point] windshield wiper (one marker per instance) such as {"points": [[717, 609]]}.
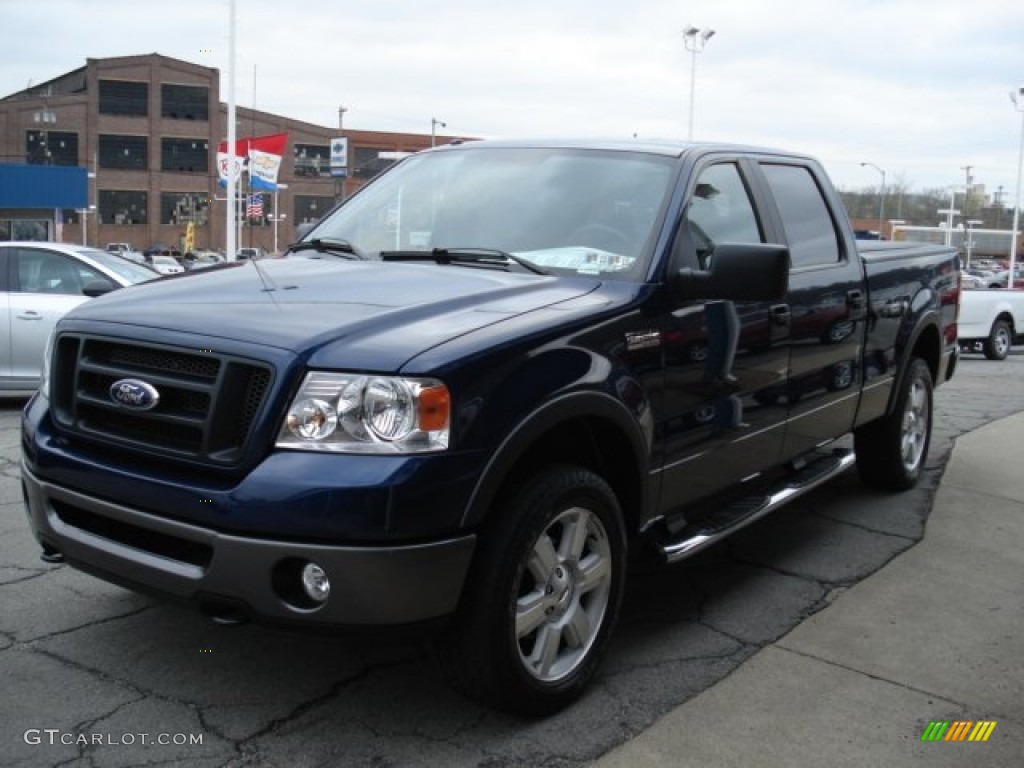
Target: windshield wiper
{"points": [[491, 256], [328, 245]]}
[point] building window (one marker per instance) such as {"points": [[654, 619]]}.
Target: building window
{"points": [[37, 230], [368, 162], [183, 207], [125, 152], [186, 155], [312, 160], [123, 206], [51, 148], [185, 102], [311, 207], [122, 97]]}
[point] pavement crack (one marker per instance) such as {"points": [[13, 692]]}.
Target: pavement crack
{"points": [[87, 625], [86, 751], [32, 573], [879, 678], [240, 744], [866, 528], [984, 493]]}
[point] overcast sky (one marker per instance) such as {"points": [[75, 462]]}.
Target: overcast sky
{"points": [[919, 88]]}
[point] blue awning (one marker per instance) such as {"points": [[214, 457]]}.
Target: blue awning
{"points": [[43, 186]]}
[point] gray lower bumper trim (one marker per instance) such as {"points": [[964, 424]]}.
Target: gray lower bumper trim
{"points": [[369, 585]]}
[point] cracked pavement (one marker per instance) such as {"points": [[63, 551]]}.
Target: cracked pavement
{"points": [[89, 661]]}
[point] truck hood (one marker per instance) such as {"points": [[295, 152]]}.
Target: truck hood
{"points": [[370, 315]]}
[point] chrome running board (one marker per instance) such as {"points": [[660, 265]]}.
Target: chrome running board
{"points": [[716, 526]]}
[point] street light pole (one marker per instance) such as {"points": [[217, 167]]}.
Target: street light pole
{"points": [[881, 196], [434, 122], [1017, 97], [694, 40]]}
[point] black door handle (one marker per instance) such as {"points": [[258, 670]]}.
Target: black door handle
{"points": [[781, 314], [857, 303]]}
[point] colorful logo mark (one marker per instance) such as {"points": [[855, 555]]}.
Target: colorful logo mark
{"points": [[958, 730]]}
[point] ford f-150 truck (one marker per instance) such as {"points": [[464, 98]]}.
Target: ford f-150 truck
{"points": [[484, 386]]}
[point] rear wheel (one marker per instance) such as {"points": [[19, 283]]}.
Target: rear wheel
{"points": [[891, 451], [997, 345], [543, 596]]}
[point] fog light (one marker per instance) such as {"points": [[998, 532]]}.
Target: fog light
{"points": [[315, 582]]}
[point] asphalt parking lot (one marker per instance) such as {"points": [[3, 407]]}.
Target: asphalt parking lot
{"points": [[98, 676]]}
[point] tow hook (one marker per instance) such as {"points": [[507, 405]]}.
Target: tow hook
{"points": [[51, 555], [222, 614]]}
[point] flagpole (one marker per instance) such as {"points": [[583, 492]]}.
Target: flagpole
{"points": [[231, 243]]}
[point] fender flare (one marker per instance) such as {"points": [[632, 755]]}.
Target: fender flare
{"points": [[928, 320], [551, 414]]}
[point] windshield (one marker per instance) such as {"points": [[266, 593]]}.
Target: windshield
{"points": [[129, 271], [567, 211]]}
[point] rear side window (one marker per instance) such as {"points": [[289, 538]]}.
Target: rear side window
{"points": [[810, 231]]}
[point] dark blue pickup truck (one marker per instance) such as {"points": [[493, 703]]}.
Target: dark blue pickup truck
{"points": [[481, 389]]}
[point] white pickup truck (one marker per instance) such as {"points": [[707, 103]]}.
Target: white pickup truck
{"points": [[991, 321]]}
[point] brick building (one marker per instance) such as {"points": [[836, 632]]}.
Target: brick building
{"points": [[146, 129]]}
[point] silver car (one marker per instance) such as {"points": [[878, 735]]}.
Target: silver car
{"points": [[39, 282]]}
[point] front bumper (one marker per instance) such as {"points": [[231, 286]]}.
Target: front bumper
{"points": [[371, 585]]}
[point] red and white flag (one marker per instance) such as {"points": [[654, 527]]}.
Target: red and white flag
{"points": [[261, 155]]}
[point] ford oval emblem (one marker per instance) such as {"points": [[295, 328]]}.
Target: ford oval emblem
{"points": [[134, 394]]}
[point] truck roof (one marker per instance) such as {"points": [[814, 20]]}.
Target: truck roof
{"points": [[667, 147]]}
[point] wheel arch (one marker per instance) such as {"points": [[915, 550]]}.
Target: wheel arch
{"points": [[1007, 317], [590, 429], [925, 343]]}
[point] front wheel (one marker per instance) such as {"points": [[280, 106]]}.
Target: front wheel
{"points": [[543, 596], [997, 345], [891, 451]]}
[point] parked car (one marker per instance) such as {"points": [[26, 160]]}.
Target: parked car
{"points": [[45, 280], [1000, 278], [990, 322], [126, 251], [202, 259], [972, 282], [161, 250], [251, 253], [166, 265]]}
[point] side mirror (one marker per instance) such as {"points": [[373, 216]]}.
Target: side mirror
{"points": [[740, 272], [96, 288]]}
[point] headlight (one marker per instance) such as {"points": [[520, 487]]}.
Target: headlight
{"points": [[353, 413]]}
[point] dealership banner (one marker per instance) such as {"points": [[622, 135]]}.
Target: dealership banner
{"points": [[260, 155]]}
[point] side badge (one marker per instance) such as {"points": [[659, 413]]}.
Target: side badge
{"points": [[642, 340]]}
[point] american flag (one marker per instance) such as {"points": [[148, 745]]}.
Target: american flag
{"points": [[254, 207]]}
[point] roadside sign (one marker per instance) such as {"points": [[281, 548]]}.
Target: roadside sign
{"points": [[339, 156]]}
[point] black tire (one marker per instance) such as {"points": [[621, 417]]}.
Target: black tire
{"points": [[543, 596], [891, 451], [1000, 338]]}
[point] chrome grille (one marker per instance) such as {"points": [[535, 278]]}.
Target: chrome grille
{"points": [[208, 403]]}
